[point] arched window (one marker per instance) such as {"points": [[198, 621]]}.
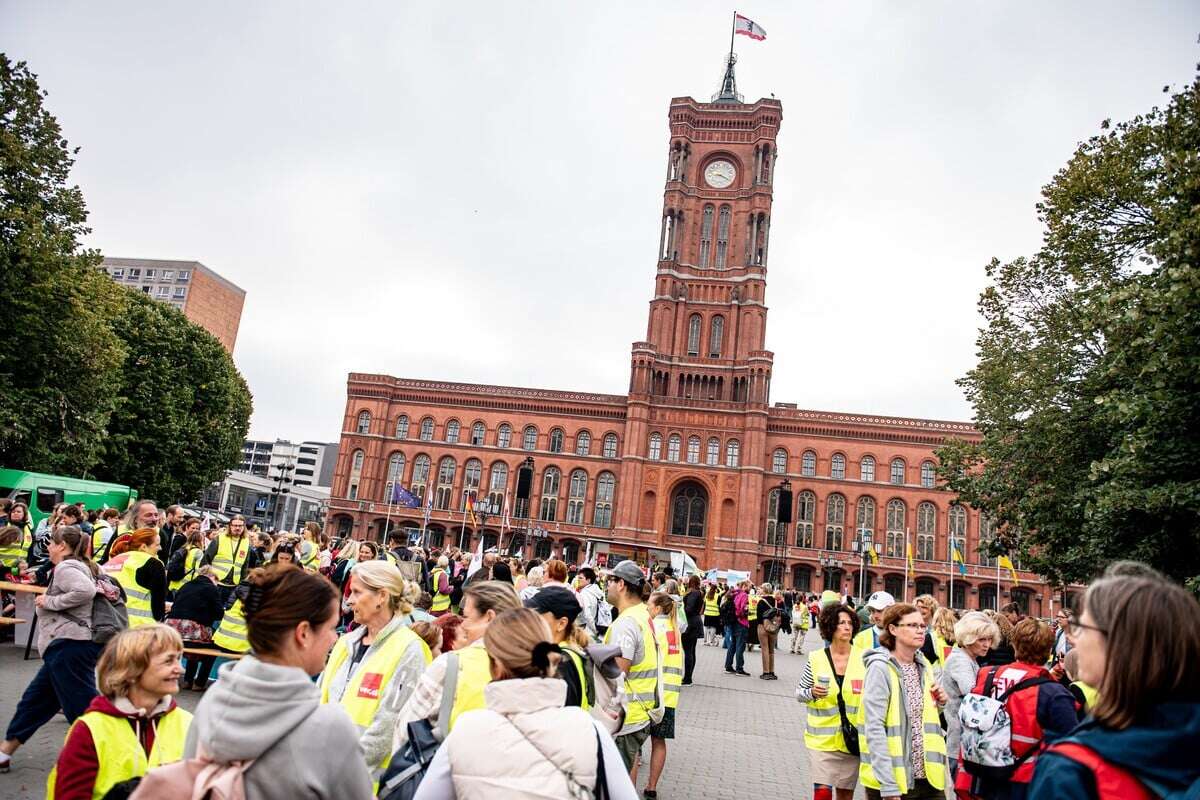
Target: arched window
{"points": [[478, 432], [402, 426], [713, 456], [723, 235], [655, 451], [837, 466], [928, 474], [420, 477], [689, 507], [715, 333], [693, 342], [498, 484], [529, 438], [779, 461], [774, 529], [364, 422], [504, 435], [957, 527], [452, 429], [987, 533], [673, 447], [605, 488], [395, 474], [835, 521], [693, 451], [356, 465], [732, 453], [898, 471], [806, 511], [808, 464], [472, 472], [583, 443], [556, 441], [706, 232], [610, 445], [576, 497], [926, 531], [866, 468], [864, 522], [896, 515], [427, 429], [550, 481], [444, 494]]}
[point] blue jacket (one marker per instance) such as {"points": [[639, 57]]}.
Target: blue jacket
{"points": [[1160, 751]]}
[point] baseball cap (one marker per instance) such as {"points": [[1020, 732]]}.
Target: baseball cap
{"points": [[880, 601], [558, 600], [627, 571]]}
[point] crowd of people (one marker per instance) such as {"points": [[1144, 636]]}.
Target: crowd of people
{"points": [[327, 668]]}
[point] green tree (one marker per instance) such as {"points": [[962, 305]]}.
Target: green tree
{"points": [[1087, 389], [184, 409], [59, 357]]}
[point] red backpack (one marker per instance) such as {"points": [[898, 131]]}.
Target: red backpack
{"points": [[1112, 782]]}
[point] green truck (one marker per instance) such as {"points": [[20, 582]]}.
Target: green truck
{"points": [[42, 492]]}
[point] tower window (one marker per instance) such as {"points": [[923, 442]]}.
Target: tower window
{"points": [[673, 442], [693, 342], [723, 236], [715, 334], [706, 231]]}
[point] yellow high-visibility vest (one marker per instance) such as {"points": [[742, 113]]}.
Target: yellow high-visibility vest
{"points": [[852, 682], [941, 647], [231, 555], [98, 537], [474, 674], [712, 605], [191, 563], [672, 669], [119, 754], [312, 560], [823, 730], [137, 598], [441, 602], [577, 659], [1089, 694], [642, 690], [370, 680], [897, 734], [865, 639], [232, 633], [752, 607]]}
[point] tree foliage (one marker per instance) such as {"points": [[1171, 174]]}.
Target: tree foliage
{"points": [[1087, 389], [97, 380]]}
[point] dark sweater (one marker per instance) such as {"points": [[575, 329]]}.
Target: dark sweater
{"points": [[200, 601]]}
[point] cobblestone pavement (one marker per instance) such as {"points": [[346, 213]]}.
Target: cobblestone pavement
{"points": [[725, 729]]}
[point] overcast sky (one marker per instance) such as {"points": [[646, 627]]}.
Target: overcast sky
{"points": [[472, 191]]}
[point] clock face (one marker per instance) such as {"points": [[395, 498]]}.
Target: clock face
{"points": [[719, 174]]}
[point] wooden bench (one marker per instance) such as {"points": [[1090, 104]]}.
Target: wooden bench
{"points": [[9, 586], [208, 651]]}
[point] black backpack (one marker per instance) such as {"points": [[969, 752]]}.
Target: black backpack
{"points": [[728, 610], [410, 763]]}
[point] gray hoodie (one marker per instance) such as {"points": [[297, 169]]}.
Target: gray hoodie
{"points": [[877, 693], [274, 714]]}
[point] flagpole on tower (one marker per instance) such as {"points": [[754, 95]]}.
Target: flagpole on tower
{"points": [[732, 31]]}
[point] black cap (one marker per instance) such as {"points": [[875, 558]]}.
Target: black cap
{"points": [[558, 600]]}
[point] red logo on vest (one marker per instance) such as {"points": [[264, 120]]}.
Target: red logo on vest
{"points": [[369, 688]]}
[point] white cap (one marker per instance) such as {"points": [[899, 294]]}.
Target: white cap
{"points": [[880, 601]]}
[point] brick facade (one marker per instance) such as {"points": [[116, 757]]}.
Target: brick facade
{"points": [[696, 454], [216, 304]]}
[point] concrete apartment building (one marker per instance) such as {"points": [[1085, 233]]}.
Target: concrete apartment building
{"points": [[202, 295], [313, 462]]}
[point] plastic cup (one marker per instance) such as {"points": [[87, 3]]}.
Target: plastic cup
{"points": [[823, 681]]}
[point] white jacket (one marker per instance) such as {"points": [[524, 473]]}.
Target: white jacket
{"points": [[521, 746]]}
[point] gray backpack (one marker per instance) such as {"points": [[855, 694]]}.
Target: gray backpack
{"points": [[109, 616]]}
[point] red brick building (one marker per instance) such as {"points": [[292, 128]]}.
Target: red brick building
{"points": [[694, 457]]}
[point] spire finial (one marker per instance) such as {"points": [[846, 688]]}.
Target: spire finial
{"points": [[728, 92]]}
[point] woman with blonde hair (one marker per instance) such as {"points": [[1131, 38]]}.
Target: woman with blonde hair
{"points": [[372, 669], [973, 637], [944, 620], [1002, 649], [536, 747], [134, 725]]}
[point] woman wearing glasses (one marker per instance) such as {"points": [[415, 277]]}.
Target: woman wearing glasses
{"points": [[903, 753], [1138, 643]]}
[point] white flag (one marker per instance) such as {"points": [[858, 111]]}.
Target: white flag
{"points": [[476, 558]]}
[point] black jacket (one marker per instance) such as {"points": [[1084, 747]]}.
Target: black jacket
{"points": [[200, 601]]}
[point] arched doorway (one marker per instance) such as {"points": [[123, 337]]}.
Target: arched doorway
{"points": [[464, 538], [802, 576], [489, 539], [342, 525], [987, 597], [832, 579], [1023, 598], [570, 551], [859, 587], [893, 584], [516, 545], [926, 586], [772, 573], [689, 510], [959, 600], [435, 535]]}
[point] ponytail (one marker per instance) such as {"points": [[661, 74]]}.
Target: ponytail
{"points": [[80, 545]]}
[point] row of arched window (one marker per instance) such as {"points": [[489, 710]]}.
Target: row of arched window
{"points": [[716, 333], [866, 468], [445, 492], [453, 432], [711, 456]]}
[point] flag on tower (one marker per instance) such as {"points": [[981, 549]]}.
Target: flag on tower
{"points": [[958, 559], [748, 27], [1006, 563]]}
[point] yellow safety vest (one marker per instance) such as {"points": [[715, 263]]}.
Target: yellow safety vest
{"points": [[370, 680], [441, 602], [712, 605], [232, 633], [137, 598], [12, 555], [941, 647], [119, 754], [865, 639], [823, 730], [1089, 694], [191, 563], [672, 670], [642, 680], [230, 557], [577, 659], [312, 561], [852, 683], [752, 607], [474, 674], [898, 734], [97, 539]]}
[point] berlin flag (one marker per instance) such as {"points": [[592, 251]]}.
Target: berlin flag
{"points": [[747, 27]]}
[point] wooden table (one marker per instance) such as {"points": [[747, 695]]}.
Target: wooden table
{"points": [[12, 621], [25, 608]]}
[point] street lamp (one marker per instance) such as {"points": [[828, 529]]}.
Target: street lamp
{"points": [[828, 565], [284, 477], [863, 546], [785, 498]]}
